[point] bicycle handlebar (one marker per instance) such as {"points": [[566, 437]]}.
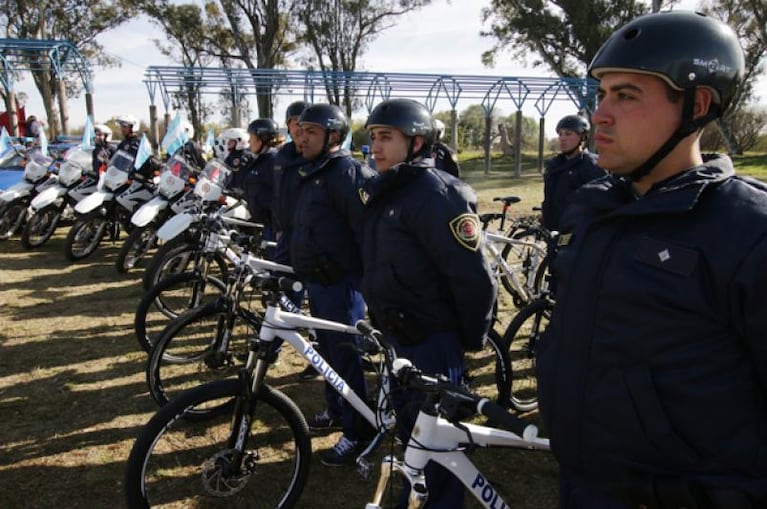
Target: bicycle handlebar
{"points": [[457, 401]]}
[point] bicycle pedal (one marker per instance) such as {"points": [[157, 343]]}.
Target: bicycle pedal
{"points": [[364, 468]]}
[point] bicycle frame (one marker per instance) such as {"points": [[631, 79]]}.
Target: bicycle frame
{"points": [[436, 439], [492, 241]]}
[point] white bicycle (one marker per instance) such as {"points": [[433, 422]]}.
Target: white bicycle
{"points": [[439, 435]]}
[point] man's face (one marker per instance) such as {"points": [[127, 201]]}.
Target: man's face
{"points": [[634, 118], [312, 141], [255, 143], [388, 146], [126, 129], [569, 140], [295, 132]]}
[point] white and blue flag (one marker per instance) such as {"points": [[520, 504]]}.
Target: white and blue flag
{"points": [[347, 144], [89, 134], [210, 142], [143, 153], [175, 136], [43, 141], [5, 141]]}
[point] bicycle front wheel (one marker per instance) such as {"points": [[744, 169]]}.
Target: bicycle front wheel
{"points": [[522, 337], [204, 344], [178, 463], [168, 299]]}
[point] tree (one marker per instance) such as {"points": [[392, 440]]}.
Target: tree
{"points": [[72, 20], [339, 31], [183, 42], [563, 35], [748, 18], [257, 33]]}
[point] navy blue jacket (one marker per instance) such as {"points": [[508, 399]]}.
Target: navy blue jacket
{"points": [[424, 267], [259, 186], [655, 360], [561, 177], [130, 145], [238, 161], [445, 159], [325, 243], [287, 181]]}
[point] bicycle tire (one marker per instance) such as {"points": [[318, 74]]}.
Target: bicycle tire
{"points": [[175, 462], [170, 298], [85, 236], [40, 226], [489, 370], [521, 338], [174, 258], [135, 248], [188, 352]]}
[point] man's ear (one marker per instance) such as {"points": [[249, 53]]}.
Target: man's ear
{"points": [[417, 143], [703, 101]]}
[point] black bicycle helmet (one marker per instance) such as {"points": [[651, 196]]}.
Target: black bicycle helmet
{"points": [[408, 116], [295, 109], [574, 123], [328, 116], [266, 129], [685, 49]]}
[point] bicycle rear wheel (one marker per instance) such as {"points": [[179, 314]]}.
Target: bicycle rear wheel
{"points": [[170, 298], [178, 463], [489, 370], [204, 344], [524, 260], [521, 337]]}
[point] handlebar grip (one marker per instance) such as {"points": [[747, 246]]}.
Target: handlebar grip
{"points": [[364, 327], [498, 414]]}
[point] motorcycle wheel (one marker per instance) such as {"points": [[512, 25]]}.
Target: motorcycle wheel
{"points": [[135, 248], [40, 227], [12, 216], [85, 235]]}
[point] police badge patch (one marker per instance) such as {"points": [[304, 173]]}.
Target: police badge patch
{"points": [[465, 229]]}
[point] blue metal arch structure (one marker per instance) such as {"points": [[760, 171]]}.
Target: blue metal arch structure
{"points": [[373, 87], [35, 56]]}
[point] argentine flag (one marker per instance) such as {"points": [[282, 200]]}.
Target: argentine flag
{"points": [[143, 153], [210, 142], [89, 134], [5, 141], [347, 144], [175, 137], [43, 141]]}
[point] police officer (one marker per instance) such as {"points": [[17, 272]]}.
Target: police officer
{"points": [[652, 375], [325, 254], [235, 141], [444, 156], [129, 130], [287, 180], [426, 282], [569, 170], [263, 138], [192, 150], [102, 150]]}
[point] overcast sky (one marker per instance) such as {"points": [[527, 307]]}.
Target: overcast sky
{"points": [[442, 38]]}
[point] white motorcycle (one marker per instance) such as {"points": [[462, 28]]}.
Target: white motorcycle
{"points": [[181, 236], [121, 190], [75, 181], [175, 193], [14, 201]]}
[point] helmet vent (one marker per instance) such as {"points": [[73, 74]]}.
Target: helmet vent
{"points": [[632, 34]]}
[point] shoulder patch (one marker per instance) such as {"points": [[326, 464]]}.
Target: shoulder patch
{"points": [[364, 197], [465, 228]]}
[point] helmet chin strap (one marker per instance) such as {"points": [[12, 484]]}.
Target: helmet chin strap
{"points": [[688, 126]]}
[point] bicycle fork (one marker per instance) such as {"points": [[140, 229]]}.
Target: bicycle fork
{"points": [[417, 480]]}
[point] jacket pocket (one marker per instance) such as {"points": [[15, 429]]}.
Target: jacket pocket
{"points": [[653, 419], [666, 256]]}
